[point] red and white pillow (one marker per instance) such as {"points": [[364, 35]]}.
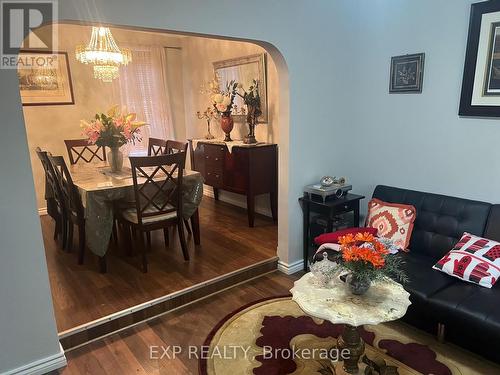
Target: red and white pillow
{"points": [[473, 259], [392, 220]]}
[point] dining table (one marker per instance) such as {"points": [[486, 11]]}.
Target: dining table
{"points": [[100, 189]]}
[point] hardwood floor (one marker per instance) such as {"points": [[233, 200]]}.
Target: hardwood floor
{"points": [[128, 352], [81, 294]]}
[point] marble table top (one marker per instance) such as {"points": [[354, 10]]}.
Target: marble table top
{"points": [[385, 301]]}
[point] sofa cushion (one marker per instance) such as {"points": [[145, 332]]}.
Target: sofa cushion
{"points": [[441, 220], [423, 280], [464, 303], [392, 220], [473, 259]]}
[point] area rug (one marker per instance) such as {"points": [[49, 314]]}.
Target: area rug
{"points": [[271, 336]]}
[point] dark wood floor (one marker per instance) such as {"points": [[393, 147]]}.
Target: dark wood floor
{"points": [[81, 294], [128, 352]]}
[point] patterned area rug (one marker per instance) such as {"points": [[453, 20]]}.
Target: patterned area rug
{"points": [[272, 337]]}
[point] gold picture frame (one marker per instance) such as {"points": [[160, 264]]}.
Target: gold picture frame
{"points": [[44, 78]]}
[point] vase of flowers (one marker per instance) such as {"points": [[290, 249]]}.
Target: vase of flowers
{"points": [[113, 130], [223, 103], [251, 98], [366, 258]]}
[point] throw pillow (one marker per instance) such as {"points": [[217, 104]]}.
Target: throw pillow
{"points": [[473, 259], [333, 237], [392, 220]]}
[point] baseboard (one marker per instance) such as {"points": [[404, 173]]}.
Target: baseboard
{"points": [[208, 191], [42, 366], [291, 268], [42, 211]]}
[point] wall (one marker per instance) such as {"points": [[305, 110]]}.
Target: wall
{"points": [[198, 57], [416, 141], [48, 126]]}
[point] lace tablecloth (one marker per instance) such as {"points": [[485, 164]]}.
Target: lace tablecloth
{"points": [[99, 188], [385, 301]]}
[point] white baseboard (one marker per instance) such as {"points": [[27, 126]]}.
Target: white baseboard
{"points": [[42, 211], [208, 191], [41, 366], [291, 268]]}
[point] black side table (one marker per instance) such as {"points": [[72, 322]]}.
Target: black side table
{"points": [[329, 209]]}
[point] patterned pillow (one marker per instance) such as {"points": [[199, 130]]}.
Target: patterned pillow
{"points": [[392, 220], [473, 259]]}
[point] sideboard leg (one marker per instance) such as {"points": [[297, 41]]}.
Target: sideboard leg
{"points": [[274, 205], [351, 340], [251, 209], [216, 194]]}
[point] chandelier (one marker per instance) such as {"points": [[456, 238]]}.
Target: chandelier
{"points": [[103, 52]]}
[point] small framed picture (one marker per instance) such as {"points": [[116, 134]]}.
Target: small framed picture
{"points": [[407, 73], [44, 78]]}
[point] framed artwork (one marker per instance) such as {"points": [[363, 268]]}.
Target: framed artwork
{"points": [[481, 80], [44, 78], [407, 73]]}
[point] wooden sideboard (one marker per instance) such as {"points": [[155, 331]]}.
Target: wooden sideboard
{"points": [[247, 170]]}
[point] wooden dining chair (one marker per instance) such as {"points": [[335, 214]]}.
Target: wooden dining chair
{"points": [[157, 146], [56, 207], [80, 149], [73, 202], [163, 175], [176, 146]]}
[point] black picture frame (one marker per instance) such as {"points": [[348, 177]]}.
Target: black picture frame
{"points": [[407, 73], [466, 107]]}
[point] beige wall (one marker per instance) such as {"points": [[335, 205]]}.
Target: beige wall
{"points": [[189, 64], [199, 55]]}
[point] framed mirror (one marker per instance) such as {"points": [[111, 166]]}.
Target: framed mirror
{"points": [[244, 70]]}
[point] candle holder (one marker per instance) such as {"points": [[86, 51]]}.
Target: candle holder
{"points": [[209, 114]]}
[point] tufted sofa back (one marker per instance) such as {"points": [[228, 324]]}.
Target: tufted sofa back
{"points": [[441, 220]]}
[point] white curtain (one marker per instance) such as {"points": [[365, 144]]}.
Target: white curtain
{"points": [[143, 89]]}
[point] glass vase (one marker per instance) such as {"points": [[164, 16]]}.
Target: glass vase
{"points": [[115, 159], [358, 285]]}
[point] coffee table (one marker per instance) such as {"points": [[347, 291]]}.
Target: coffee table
{"points": [[385, 301]]}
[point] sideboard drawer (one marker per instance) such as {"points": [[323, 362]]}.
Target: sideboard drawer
{"points": [[214, 153], [214, 178]]}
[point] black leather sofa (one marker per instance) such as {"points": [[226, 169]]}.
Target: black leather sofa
{"points": [[470, 313]]}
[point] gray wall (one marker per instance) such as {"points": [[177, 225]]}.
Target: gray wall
{"points": [[417, 140], [27, 326]]}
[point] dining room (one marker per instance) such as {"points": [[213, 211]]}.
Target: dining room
{"points": [[155, 170]]}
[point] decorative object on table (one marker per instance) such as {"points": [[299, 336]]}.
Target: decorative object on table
{"points": [[324, 270], [481, 79], [244, 70], [113, 130], [209, 114], [251, 98], [47, 83], [473, 259], [104, 54], [223, 102], [392, 220], [258, 327], [386, 301], [407, 73], [333, 237], [367, 259], [329, 186]]}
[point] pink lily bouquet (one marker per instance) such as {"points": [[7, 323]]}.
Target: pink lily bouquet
{"points": [[113, 129]]}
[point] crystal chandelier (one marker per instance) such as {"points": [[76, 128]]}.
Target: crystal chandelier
{"points": [[104, 54]]}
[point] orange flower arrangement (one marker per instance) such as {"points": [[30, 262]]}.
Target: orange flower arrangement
{"points": [[352, 250], [364, 256]]}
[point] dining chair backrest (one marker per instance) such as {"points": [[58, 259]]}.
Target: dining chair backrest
{"points": [[157, 146], [158, 185], [176, 146], [51, 181], [80, 149], [70, 192]]}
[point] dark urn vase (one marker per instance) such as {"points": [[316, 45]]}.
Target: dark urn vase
{"points": [[227, 124]]}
